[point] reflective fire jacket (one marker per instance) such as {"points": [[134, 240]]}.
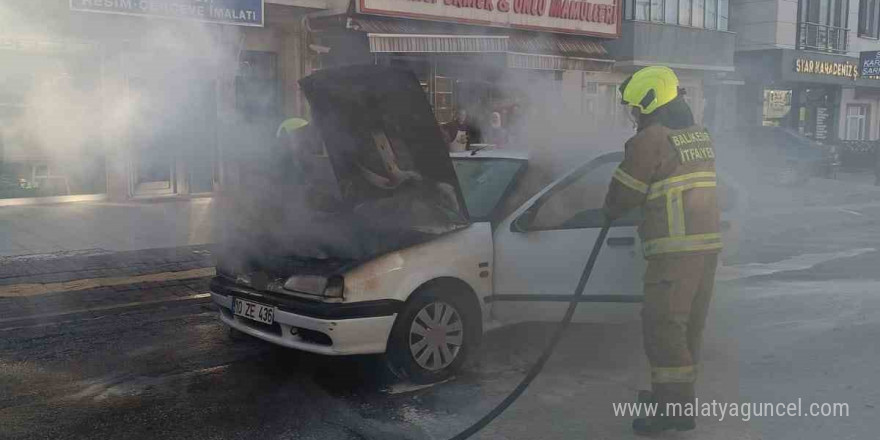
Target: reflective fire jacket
{"points": [[671, 175]]}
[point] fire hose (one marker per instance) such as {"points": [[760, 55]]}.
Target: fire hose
{"points": [[548, 350]]}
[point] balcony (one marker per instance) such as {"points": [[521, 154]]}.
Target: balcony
{"points": [[821, 38]]}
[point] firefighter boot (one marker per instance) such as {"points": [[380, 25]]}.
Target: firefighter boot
{"points": [[655, 425]]}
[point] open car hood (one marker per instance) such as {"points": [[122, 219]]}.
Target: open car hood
{"points": [[381, 137], [387, 177]]}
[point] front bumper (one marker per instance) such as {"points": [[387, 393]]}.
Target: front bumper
{"points": [[318, 327]]}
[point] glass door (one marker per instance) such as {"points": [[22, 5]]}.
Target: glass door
{"points": [[152, 146]]}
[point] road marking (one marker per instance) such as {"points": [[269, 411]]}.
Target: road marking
{"points": [[849, 211], [34, 289], [96, 318], [107, 308], [800, 262]]}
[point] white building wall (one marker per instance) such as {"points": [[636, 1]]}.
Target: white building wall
{"points": [[755, 24], [786, 17], [855, 45], [772, 24], [848, 97]]}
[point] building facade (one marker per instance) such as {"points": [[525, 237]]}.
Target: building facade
{"points": [[693, 38], [129, 99], [800, 61], [510, 57]]}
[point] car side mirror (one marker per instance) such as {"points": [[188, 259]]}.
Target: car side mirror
{"points": [[521, 224]]}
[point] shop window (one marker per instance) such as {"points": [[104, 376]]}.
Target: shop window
{"points": [[711, 14], [657, 10], [697, 14], [643, 9], [684, 12], [444, 102], [257, 88], [49, 143], [671, 12], [600, 104], [856, 122], [777, 105], [589, 97], [869, 16]]}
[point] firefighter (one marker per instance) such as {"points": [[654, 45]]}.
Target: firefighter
{"points": [[289, 126], [669, 172]]}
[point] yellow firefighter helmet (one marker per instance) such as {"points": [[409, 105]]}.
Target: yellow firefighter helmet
{"points": [[649, 88]]}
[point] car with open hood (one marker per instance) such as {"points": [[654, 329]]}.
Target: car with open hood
{"points": [[412, 251]]}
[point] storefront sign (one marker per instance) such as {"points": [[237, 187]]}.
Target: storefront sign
{"points": [[829, 68], [237, 12], [588, 17], [869, 63]]}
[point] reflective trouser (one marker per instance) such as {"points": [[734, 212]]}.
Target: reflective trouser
{"points": [[678, 290]]}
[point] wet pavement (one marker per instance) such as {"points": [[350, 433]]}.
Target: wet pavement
{"points": [[796, 316]]}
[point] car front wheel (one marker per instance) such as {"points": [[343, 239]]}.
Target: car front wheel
{"points": [[432, 337]]}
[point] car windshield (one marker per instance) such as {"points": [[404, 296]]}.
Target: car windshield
{"points": [[484, 181]]}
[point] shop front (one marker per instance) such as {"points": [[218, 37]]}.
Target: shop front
{"points": [[820, 96], [114, 100], [489, 57]]}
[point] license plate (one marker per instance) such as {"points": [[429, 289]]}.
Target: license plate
{"points": [[255, 311]]}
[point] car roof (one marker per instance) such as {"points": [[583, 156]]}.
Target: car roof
{"points": [[491, 153]]}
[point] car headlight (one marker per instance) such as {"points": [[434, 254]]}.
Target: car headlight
{"points": [[316, 285]]}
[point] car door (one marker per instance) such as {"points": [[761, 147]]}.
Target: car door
{"points": [[542, 248]]}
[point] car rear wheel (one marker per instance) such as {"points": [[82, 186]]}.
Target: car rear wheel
{"points": [[432, 337]]}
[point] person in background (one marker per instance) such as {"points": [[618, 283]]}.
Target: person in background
{"points": [[496, 134], [459, 133]]}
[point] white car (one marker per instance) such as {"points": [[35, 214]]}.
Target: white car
{"points": [[426, 306]]}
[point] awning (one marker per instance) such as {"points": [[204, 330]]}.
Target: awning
{"points": [[555, 62], [552, 44], [524, 50], [382, 43], [556, 52]]}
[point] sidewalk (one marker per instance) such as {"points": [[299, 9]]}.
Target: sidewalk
{"points": [[98, 227], [860, 177]]}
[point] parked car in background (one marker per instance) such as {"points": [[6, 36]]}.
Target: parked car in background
{"points": [[779, 155]]}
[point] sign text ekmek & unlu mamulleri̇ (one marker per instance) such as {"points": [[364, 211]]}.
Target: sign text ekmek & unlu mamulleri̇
{"points": [[567, 9]]}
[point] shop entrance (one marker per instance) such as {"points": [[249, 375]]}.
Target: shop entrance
{"points": [[810, 110], [173, 137]]}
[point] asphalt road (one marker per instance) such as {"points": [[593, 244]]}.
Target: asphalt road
{"points": [[796, 316]]}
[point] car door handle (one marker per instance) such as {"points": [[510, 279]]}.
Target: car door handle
{"points": [[621, 241]]}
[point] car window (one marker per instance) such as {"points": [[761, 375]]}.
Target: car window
{"points": [[578, 198], [484, 182]]}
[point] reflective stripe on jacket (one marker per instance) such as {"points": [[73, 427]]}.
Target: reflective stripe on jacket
{"points": [[671, 175]]}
